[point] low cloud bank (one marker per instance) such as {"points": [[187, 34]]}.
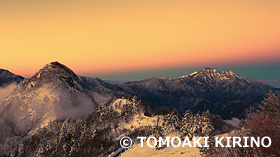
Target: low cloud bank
{"points": [[6, 91], [234, 121], [273, 83]]}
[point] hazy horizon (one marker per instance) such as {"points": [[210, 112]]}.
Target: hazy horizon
{"points": [[257, 72], [105, 37]]}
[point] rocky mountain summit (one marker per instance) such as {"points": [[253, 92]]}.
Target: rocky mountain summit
{"points": [[53, 92]]}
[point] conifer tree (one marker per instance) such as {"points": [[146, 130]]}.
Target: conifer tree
{"points": [[196, 124], [171, 123]]}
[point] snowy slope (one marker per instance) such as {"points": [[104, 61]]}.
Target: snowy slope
{"points": [[53, 92], [137, 120], [146, 151], [166, 152], [140, 120]]}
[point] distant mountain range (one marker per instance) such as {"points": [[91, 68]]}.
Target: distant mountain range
{"points": [[57, 92], [6, 77], [221, 92]]}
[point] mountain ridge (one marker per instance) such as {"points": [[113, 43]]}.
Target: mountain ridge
{"points": [[221, 92], [53, 92], [7, 77], [207, 89]]}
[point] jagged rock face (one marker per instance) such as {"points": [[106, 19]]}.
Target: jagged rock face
{"points": [[7, 77], [53, 92]]}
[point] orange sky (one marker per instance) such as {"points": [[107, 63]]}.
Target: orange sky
{"points": [[117, 35]]}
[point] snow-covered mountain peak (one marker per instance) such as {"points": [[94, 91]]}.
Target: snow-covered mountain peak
{"points": [[56, 69], [205, 72], [54, 74], [54, 92], [214, 74], [209, 71]]}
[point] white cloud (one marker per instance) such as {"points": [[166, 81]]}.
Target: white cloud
{"points": [[273, 83], [6, 91], [234, 121]]}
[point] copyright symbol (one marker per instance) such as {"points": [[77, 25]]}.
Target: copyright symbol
{"points": [[125, 142]]}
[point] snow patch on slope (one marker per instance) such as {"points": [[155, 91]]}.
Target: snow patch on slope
{"points": [[119, 103], [140, 120], [190, 74]]}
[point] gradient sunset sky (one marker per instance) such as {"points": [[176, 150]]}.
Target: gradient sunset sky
{"points": [[132, 39]]}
